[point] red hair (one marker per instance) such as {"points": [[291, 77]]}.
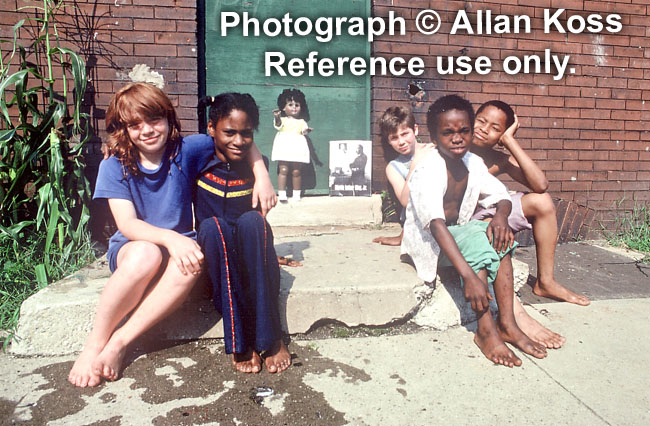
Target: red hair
{"points": [[130, 105]]}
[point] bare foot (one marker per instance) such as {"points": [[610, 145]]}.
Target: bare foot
{"points": [[81, 374], [286, 261], [512, 334], [389, 241], [494, 349], [249, 362], [109, 361], [556, 291], [277, 359], [536, 331]]}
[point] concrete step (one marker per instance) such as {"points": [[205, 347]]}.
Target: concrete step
{"points": [[328, 211], [344, 278]]}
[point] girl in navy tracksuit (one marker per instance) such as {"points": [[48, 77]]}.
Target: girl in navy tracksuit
{"points": [[237, 240]]}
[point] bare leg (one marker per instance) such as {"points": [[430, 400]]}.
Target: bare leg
{"points": [[249, 362], [283, 173], [508, 329], [277, 359], [487, 337], [138, 263], [296, 176], [533, 329], [161, 299], [540, 210], [390, 241]]}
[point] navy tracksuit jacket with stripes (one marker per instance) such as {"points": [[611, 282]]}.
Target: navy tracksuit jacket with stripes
{"points": [[239, 255]]}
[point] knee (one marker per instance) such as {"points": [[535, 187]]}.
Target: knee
{"points": [[283, 170], [210, 236], [250, 221], [541, 204], [295, 172], [141, 257], [207, 227]]}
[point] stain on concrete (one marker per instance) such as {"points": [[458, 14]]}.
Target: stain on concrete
{"points": [[7, 409], [113, 421], [108, 397], [400, 381], [206, 390], [60, 400]]}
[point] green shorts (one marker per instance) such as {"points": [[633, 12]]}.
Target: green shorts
{"points": [[475, 247]]}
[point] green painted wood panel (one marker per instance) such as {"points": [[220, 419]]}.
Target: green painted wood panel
{"points": [[339, 105]]}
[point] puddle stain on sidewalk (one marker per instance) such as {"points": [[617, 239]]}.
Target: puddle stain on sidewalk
{"points": [[192, 383]]}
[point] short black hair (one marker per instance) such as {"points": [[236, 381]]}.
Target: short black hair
{"points": [[444, 104], [507, 109], [296, 95], [221, 106]]}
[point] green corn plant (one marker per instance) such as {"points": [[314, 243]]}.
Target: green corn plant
{"points": [[43, 190]]}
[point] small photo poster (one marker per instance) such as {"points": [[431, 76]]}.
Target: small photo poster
{"points": [[350, 168]]}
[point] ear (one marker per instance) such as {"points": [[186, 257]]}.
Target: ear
{"points": [[211, 129], [415, 129]]}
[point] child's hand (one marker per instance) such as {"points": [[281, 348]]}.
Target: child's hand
{"points": [[185, 252], [476, 293], [264, 193], [276, 113], [499, 234], [307, 130], [509, 135]]}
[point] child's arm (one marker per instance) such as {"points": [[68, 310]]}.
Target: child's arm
{"points": [[398, 182], [476, 291], [263, 190], [520, 166], [399, 185], [183, 251]]}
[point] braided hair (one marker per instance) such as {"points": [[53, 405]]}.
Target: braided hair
{"points": [[221, 106]]}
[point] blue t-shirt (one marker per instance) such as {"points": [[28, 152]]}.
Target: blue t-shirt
{"points": [[162, 197], [402, 164]]}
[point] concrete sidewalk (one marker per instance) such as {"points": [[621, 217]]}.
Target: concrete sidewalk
{"points": [[599, 377], [398, 373], [417, 377]]}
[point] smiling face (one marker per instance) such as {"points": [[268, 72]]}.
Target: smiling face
{"points": [[453, 134], [490, 124], [150, 138], [403, 140], [232, 135], [292, 108]]}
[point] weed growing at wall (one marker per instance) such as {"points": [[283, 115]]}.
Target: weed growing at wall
{"points": [[43, 192], [633, 231]]}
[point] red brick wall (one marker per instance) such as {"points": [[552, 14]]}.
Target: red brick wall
{"points": [[588, 131], [113, 36]]}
